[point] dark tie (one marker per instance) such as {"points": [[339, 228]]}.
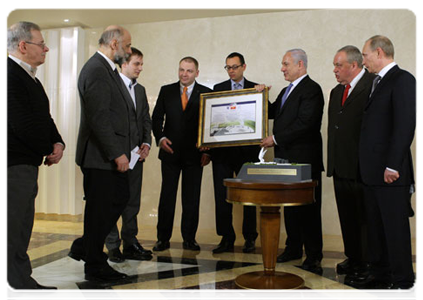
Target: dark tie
{"points": [[285, 95], [345, 96], [375, 82]]}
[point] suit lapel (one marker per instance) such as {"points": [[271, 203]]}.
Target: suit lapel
{"points": [[292, 96], [381, 83]]}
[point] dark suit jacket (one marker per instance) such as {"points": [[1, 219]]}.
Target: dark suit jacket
{"points": [[297, 126], [104, 132], [387, 129], [234, 155], [180, 127], [142, 115], [31, 131], [344, 127]]}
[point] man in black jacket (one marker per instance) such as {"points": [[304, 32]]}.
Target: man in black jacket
{"points": [[345, 112], [228, 161], [175, 127], [386, 165], [32, 136], [297, 114]]}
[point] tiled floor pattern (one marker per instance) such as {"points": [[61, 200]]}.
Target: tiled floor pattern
{"points": [[177, 274]]}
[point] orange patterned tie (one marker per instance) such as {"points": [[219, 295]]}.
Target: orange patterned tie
{"points": [[184, 98]]}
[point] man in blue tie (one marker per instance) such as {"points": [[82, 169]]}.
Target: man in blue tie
{"points": [[297, 114], [228, 161]]}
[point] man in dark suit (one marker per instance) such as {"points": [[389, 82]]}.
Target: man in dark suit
{"points": [[175, 127], [31, 136], [297, 114], [345, 112], [386, 166], [229, 160], [103, 150], [141, 138]]}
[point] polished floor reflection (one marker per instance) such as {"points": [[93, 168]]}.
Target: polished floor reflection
{"points": [[174, 268]]}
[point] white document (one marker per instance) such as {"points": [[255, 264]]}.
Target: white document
{"points": [[261, 154], [134, 157]]}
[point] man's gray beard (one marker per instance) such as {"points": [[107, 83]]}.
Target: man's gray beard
{"points": [[119, 59]]}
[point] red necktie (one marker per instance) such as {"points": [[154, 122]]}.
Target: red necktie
{"points": [[184, 98], [344, 97]]}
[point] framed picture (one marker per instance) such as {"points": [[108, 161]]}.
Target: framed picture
{"points": [[233, 118]]}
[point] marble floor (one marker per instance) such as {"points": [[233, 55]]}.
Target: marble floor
{"points": [[176, 271]]}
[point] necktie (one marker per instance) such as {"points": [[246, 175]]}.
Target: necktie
{"points": [[375, 82], [285, 95], [345, 96], [184, 98], [237, 86]]}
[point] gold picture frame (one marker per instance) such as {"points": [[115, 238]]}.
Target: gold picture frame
{"points": [[233, 118]]}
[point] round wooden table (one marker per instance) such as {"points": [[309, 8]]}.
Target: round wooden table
{"points": [[269, 196]]}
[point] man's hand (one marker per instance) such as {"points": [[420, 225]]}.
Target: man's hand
{"points": [[122, 163], [205, 159], [261, 87], [267, 142], [56, 156], [143, 151], [390, 176], [165, 144]]}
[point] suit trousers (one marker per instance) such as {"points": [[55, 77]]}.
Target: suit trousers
{"points": [[389, 237], [191, 188], [129, 228], [350, 202], [223, 209], [22, 189], [303, 225], [106, 194]]}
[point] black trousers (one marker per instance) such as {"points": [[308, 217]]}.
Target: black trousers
{"points": [[223, 209], [350, 202], [389, 237], [191, 189], [22, 189], [303, 225], [106, 195], [129, 228]]}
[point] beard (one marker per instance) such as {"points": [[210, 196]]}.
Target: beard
{"points": [[120, 57]]}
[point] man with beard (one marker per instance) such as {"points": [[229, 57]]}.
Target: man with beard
{"points": [[103, 150]]}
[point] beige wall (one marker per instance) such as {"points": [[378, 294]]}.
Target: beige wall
{"points": [[262, 39]]}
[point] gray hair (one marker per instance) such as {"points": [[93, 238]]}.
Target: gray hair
{"points": [[108, 35], [297, 55], [18, 32], [353, 55], [380, 41]]}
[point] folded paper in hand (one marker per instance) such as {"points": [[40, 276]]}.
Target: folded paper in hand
{"points": [[134, 157]]}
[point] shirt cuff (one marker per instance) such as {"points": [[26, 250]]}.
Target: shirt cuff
{"points": [[392, 170], [274, 140]]}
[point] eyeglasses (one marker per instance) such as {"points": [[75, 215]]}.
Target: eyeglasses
{"points": [[42, 45], [234, 67]]}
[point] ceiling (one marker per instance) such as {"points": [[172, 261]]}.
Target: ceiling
{"points": [[92, 18]]}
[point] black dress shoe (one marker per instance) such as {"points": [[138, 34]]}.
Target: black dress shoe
{"points": [[191, 245], [105, 274], [345, 267], [137, 252], [288, 256], [396, 293], [224, 246], [39, 290], [312, 265], [77, 250], [115, 255], [161, 246], [249, 246]]}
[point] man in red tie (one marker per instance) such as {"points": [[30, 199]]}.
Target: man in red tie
{"points": [[346, 106]]}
